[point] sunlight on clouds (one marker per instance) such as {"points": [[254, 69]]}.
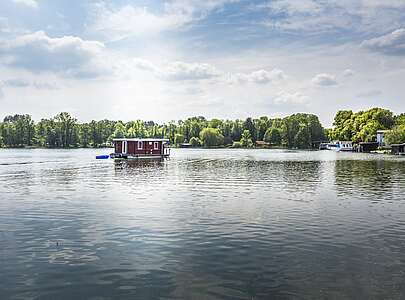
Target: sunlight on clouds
{"points": [[129, 20]]}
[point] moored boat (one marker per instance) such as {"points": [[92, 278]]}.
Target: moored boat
{"points": [[340, 146], [140, 148]]}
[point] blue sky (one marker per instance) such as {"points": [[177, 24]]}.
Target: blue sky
{"points": [[167, 60]]}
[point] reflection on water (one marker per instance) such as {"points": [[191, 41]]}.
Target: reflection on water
{"points": [[369, 178], [206, 224]]}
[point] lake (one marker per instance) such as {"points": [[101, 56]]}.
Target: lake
{"points": [[206, 224]]}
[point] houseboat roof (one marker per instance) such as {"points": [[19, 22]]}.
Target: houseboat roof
{"points": [[140, 140]]}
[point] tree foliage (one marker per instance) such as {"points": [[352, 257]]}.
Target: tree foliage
{"points": [[294, 131], [396, 135], [361, 126], [211, 137], [273, 136], [246, 140]]}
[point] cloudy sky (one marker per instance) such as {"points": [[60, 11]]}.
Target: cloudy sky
{"points": [[167, 60]]}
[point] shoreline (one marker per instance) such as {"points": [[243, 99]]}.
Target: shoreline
{"points": [[377, 152]]}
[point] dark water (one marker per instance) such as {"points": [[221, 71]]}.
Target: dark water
{"points": [[207, 224]]}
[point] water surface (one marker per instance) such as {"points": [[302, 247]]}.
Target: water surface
{"points": [[206, 224]]}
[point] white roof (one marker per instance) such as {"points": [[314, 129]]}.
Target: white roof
{"points": [[140, 140]]}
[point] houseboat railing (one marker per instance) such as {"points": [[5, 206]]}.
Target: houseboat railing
{"points": [[166, 151]]}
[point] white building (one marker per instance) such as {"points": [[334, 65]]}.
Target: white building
{"points": [[380, 137]]}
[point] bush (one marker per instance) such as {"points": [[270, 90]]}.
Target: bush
{"points": [[236, 145], [195, 142]]}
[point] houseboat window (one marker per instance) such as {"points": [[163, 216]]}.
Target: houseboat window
{"points": [[156, 145], [140, 145]]}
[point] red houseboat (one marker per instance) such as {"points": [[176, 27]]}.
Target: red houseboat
{"points": [[140, 148]]}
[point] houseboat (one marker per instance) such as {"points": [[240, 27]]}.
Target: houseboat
{"points": [[137, 148], [340, 146]]}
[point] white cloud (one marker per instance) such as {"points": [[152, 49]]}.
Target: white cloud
{"points": [[348, 73], [128, 20], [181, 71], [29, 3], [284, 97], [38, 52], [15, 82], [306, 15], [392, 43], [260, 77], [324, 80], [143, 64], [263, 76], [188, 71], [177, 70], [315, 17], [23, 83]]}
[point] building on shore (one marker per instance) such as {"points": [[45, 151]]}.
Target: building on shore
{"points": [[380, 137], [398, 149], [367, 146]]}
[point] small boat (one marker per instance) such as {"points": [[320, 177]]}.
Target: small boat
{"points": [[140, 148], [340, 146], [323, 146]]}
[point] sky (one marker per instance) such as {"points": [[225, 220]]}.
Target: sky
{"points": [[228, 59]]}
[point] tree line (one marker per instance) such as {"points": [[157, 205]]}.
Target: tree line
{"points": [[362, 126], [64, 131], [300, 130]]}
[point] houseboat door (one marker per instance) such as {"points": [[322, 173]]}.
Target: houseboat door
{"points": [[124, 147]]}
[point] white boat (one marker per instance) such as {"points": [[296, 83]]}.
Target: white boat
{"points": [[340, 146]]}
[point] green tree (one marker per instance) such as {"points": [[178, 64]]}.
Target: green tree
{"points": [[211, 137], [400, 119], [246, 140], [85, 135], [119, 131], [237, 129], [18, 130], [65, 128], [302, 139], [178, 139], [273, 136], [249, 125], [396, 135]]}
